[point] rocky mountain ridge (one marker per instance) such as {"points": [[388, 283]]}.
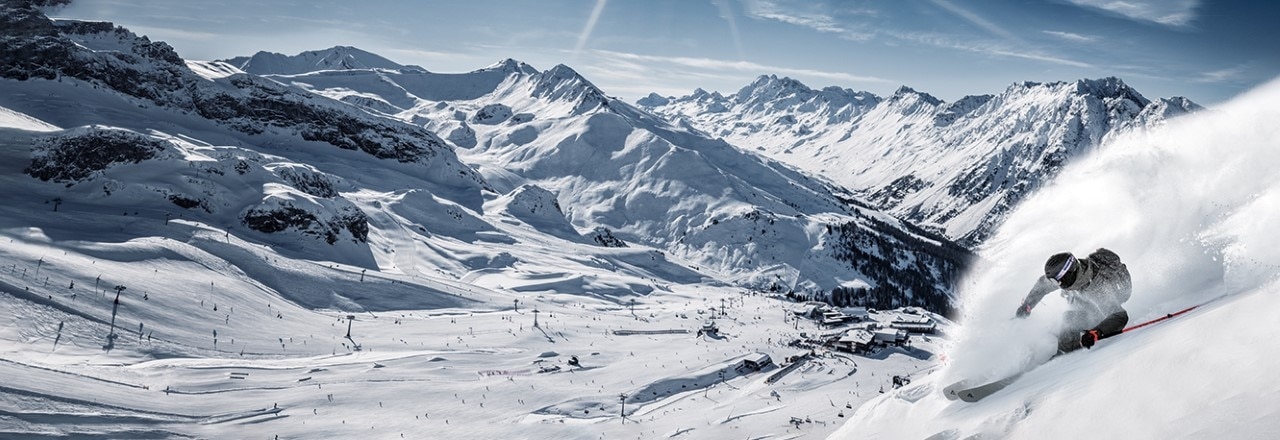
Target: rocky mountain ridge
{"points": [[401, 196], [615, 166], [955, 168]]}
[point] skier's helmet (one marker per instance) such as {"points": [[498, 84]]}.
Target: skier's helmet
{"points": [[1062, 268]]}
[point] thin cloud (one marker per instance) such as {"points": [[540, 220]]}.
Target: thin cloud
{"points": [[430, 57], [1071, 36], [1032, 56], [726, 12], [168, 33], [822, 22], [985, 48], [1229, 74], [591, 25], [619, 79], [737, 66], [1174, 13], [818, 21], [976, 19]]}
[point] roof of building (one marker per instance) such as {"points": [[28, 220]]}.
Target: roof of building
{"points": [[857, 336]]}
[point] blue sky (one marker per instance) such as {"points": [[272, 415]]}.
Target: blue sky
{"points": [[1202, 49]]}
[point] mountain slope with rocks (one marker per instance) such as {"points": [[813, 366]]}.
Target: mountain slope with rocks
{"points": [[611, 165], [954, 168]]}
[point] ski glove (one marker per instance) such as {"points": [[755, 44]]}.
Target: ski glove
{"points": [[1088, 338], [1023, 310]]}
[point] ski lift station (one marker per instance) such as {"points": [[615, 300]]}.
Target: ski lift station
{"points": [[919, 325], [855, 341], [863, 340], [757, 361]]}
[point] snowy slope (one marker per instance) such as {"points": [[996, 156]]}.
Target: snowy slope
{"points": [[13, 119], [195, 251], [71, 73], [221, 335], [1190, 207], [334, 58], [956, 167], [617, 172], [209, 197], [610, 165]]}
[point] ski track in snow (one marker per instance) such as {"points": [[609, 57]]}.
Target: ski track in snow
{"points": [[1188, 207], [428, 328], [220, 392]]}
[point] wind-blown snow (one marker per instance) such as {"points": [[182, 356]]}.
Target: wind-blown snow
{"points": [[244, 213], [14, 119], [1191, 208]]}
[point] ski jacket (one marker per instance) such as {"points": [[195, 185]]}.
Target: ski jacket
{"points": [[1103, 287]]}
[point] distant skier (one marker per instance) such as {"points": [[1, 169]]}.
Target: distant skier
{"points": [[1095, 288]]}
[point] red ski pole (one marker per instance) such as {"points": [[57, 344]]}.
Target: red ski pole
{"points": [[1162, 318]]}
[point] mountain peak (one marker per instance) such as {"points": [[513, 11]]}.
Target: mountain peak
{"points": [[333, 58], [561, 82], [561, 72], [653, 100], [905, 92], [1109, 87], [510, 65], [700, 94], [775, 81], [770, 87]]}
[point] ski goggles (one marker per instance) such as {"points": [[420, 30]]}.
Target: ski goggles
{"points": [[1067, 275]]}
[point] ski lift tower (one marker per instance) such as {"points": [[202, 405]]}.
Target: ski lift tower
{"points": [[349, 319], [622, 398]]}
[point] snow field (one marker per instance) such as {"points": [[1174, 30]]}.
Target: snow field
{"points": [[1186, 207], [460, 372]]}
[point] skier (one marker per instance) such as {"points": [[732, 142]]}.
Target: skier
{"points": [[1095, 288]]}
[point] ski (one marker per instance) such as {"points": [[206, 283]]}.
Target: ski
{"points": [[960, 391], [963, 391]]}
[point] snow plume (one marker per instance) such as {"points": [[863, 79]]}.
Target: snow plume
{"points": [[1190, 207]]}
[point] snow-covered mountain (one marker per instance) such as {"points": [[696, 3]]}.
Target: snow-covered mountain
{"points": [[168, 222], [619, 174], [1190, 207], [647, 181], [334, 58], [957, 168], [182, 242]]}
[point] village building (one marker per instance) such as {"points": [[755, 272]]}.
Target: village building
{"points": [[832, 318], [855, 341], [811, 310], [757, 361], [891, 337], [858, 314], [708, 328], [917, 325]]}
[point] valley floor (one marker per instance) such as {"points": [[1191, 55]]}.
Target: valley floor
{"points": [[482, 372]]}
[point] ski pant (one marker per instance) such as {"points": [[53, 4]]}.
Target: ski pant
{"points": [[1077, 322]]}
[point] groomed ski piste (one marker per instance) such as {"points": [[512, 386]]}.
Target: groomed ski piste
{"points": [[464, 372], [222, 332], [219, 333], [1192, 209]]}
